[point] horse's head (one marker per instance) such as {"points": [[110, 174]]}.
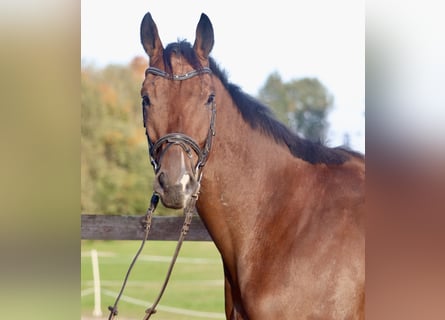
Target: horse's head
{"points": [[178, 110]]}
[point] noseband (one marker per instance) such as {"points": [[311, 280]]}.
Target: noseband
{"points": [[184, 141]]}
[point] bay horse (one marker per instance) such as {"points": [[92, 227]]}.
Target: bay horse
{"points": [[285, 213]]}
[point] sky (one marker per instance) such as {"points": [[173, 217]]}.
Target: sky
{"points": [[322, 39]]}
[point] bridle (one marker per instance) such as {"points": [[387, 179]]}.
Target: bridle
{"points": [[156, 150], [184, 141]]}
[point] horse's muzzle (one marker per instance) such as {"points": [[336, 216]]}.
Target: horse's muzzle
{"points": [[175, 194]]}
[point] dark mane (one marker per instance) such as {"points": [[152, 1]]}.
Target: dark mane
{"points": [[184, 49], [259, 116]]}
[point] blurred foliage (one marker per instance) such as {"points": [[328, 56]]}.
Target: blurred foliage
{"points": [[302, 104], [116, 175]]}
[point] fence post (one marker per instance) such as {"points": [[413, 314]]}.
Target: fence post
{"points": [[97, 312]]}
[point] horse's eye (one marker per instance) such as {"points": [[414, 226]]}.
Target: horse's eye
{"points": [[211, 99], [145, 101]]}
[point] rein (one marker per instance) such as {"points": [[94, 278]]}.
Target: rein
{"points": [[155, 150]]}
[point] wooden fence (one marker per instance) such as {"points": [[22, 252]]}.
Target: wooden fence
{"points": [[120, 227]]}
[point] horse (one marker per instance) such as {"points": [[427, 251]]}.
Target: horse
{"points": [[285, 213]]}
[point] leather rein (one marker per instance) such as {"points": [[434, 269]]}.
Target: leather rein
{"points": [[155, 151]]}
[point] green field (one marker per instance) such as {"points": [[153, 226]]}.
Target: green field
{"points": [[195, 290]]}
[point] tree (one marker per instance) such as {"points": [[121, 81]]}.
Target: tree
{"points": [[302, 104], [116, 175]]}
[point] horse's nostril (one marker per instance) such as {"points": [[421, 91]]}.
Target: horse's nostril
{"points": [[162, 180], [190, 186]]}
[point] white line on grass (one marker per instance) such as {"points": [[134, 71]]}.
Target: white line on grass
{"points": [[86, 292], [193, 313], [135, 283], [180, 259], [151, 258]]}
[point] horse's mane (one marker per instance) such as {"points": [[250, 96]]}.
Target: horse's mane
{"points": [[259, 116]]}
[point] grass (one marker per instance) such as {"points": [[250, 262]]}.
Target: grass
{"points": [[196, 283]]}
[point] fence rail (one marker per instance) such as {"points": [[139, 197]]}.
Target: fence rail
{"points": [[120, 227]]}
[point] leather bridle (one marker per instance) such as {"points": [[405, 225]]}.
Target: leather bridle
{"points": [[155, 150], [184, 141]]}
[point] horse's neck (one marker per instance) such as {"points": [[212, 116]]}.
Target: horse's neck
{"points": [[237, 183]]}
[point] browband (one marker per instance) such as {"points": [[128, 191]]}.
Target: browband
{"points": [[178, 77]]}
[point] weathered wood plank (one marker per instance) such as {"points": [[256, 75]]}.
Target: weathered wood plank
{"points": [[118, 227]]}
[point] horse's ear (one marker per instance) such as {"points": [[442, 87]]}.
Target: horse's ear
{"points": [[204, 37], [150, 38]]}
